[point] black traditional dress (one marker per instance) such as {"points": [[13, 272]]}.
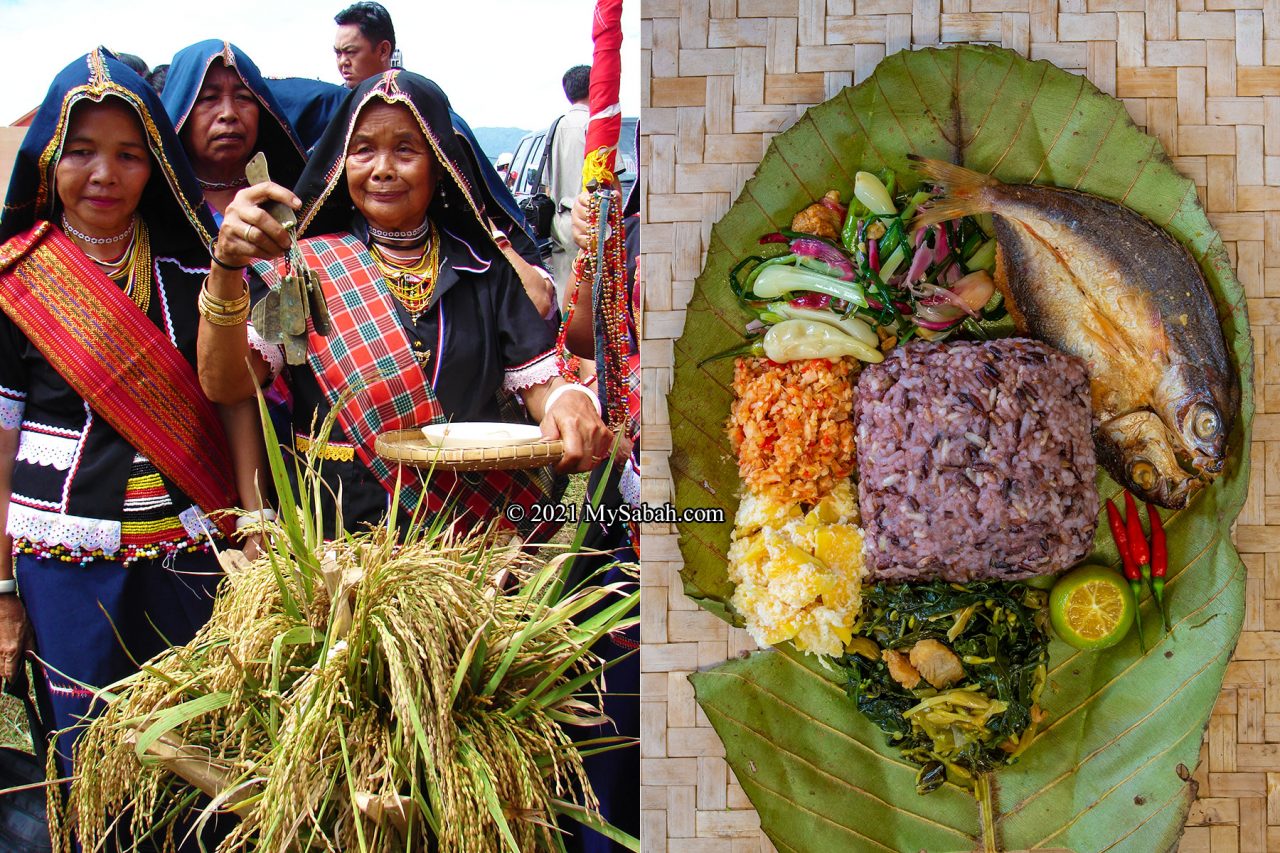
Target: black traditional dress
{"points": [[472, 348], [121, 459]]}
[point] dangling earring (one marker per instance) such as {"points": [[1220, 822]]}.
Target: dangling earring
{"points": [[444, 197]]}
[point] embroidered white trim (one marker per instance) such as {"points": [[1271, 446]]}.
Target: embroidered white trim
{"points": [[629, 484], [483, 264], [272, 353], [535, 372], [196, 523], [164, 302], [75, 467], [35, 503], [177, 263], [11, 412], [52, 451], [71, 531], [67, 690]]}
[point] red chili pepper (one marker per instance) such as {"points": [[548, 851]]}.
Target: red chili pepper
{"points": [[775, 237], [1159, 562], [1121, 535], [873, 253], [1137, 539]]}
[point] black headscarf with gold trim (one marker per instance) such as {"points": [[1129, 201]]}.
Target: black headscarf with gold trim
{"points": [[171, 202], [326, 202]]}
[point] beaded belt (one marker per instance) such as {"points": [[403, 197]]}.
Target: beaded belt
{"points": [[332, 451]]}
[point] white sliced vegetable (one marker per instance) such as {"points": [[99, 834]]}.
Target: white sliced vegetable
{"points": [[778, 281], [870, 191], [852, 326], [795, 340], [975, 289]]}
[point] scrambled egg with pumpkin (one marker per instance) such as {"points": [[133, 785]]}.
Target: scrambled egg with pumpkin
{"points": [[799, 573]]}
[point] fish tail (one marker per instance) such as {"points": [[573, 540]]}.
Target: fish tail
{"points": [[963, 187]]}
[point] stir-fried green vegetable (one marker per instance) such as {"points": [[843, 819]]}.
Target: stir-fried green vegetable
{"points": [[988, 716]]}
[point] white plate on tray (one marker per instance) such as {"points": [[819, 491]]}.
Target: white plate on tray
{"points": [[479, 434]]}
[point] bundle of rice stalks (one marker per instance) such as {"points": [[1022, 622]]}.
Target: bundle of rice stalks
{"points": [[364, 694]]}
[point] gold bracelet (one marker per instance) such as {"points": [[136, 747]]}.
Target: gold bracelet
{"points": [[221, 318], [223, 312]]}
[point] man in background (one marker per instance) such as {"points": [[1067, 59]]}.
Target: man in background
{"points": [[564, 178], [365, 42]]}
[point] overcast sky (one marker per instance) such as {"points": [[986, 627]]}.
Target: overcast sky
{"points": [[500, 61]]}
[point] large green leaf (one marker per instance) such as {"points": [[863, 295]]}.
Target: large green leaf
{"points": [[1111, 771]]}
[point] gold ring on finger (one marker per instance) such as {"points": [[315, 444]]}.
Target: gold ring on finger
{"points": [[247, 229]]}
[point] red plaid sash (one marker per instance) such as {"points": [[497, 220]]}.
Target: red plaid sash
{"points": [[368, 352], [118, 361]]}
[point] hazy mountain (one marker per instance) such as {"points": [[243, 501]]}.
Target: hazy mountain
{"points": [[495, 140]]}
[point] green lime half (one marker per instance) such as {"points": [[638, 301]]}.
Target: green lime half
{"points": [[1091, 607]]}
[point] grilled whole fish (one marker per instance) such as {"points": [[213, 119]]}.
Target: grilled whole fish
{"points": [[1097, 280]]}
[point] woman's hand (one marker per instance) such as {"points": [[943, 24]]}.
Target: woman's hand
{"points": [[252, 546], [579, 215], [14, 635], [248, 231], [574, 420], [580, 226]]}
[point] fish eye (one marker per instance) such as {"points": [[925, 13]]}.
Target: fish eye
{"points": [[1205, 422], [1143, 473]]}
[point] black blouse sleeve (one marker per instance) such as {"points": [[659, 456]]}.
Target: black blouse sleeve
{"points": [[13, 374], [525, 340]]}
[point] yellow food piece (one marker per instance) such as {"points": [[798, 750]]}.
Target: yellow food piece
{"points": [[799, 574]]}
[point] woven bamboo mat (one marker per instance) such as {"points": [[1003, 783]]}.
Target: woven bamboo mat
{"points": [[720, 79]]}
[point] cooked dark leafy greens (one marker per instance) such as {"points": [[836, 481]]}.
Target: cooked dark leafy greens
{"points": [[984, 719]]}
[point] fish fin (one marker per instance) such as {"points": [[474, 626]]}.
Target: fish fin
{"points": [[949, 175], [1001, 279], [963, 188]]}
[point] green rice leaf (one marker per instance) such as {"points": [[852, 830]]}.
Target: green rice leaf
{"points": [[591, 819], [573, 685], [351, 785], [171, 718], [480, 774]]}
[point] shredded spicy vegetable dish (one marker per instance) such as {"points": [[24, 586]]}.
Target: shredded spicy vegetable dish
{"points": [[987, 714]]}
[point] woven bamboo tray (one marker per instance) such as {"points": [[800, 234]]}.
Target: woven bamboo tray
{"points": [[720, 79], [408, 447]]}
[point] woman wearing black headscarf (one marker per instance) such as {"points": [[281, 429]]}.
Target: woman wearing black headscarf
{"points": [[429, 320], [224, 113], [111, 458]]}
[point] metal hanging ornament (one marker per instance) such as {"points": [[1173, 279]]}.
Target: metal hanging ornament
{"points": [[281, 316]]}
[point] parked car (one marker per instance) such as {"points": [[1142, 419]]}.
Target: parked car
{"points": [[528, 156]]}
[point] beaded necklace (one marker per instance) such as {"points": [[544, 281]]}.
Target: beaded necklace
{"points": [[605, 267], [401, 237], [412, 283], [220, 186], [98, 241], [136, 262]]}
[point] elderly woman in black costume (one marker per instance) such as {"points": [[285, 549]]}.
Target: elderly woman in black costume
{"points": [[225, 113], [429, 321]]}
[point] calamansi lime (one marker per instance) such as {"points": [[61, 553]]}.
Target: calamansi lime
{"points": [[1091, 607]]}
